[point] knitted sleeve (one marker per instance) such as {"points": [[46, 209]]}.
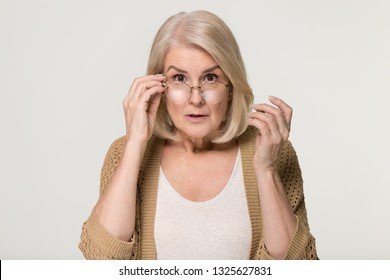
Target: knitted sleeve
{"points": [[96, 242], [302, 246]]}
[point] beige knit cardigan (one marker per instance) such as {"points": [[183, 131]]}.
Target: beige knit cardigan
{"points": [[97, 243]]}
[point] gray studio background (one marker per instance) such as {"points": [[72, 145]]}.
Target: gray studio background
{"points": [[66, 66]]}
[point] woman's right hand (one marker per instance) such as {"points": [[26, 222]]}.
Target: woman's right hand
{"points": [[140, 107], [116, 207]]}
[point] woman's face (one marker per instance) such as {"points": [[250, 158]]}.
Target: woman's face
{"points": [[195, 118]]}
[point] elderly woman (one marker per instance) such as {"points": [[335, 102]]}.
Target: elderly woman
{"points": [[201, 173]]}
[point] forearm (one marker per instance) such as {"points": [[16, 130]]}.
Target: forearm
{"points": [[115, 209], [279, 221]]}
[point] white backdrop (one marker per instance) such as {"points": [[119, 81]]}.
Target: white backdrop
{"points": [[65, 67]]}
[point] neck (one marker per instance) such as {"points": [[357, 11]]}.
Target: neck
{"points": [[197, 146]]}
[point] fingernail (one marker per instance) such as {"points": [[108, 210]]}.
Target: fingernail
{"points": [[159, 76], [271, 97]]}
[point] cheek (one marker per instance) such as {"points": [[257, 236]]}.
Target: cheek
{"points": [[221, 111], [173, 110]]}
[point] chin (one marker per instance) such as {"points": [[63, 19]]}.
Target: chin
{"points": [[197, 134]]}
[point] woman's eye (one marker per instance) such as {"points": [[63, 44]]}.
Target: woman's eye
{"points": [[179, 78], [210, 78]]}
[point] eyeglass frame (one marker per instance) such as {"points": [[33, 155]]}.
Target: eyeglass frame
{"points": [[227, 86]]}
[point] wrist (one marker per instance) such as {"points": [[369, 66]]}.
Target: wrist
{"points": [[135, 147], [268, 169], [267, 176]]}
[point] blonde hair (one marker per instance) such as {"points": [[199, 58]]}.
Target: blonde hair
{"points": [[208, 32]]}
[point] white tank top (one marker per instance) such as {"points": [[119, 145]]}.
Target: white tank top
{"points": [[219, 228]]}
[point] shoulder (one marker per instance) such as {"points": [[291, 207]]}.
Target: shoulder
{"points": [[117, 145], [115, 151], [288, 157]]}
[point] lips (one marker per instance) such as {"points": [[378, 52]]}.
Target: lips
{"points": [[196, 118], [197, 115]]}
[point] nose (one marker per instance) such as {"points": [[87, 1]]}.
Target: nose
{"points": [[196, 97]]}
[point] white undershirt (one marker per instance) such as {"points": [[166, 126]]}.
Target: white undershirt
{"points": [[219, 228]]}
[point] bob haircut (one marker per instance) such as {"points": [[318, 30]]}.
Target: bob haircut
{"points": [[207, 31]]}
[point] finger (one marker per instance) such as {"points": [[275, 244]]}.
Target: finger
{"points": [[284, 107], [266, 108], [276, 113], [276, 133], [148, 91], [140, 85], [261, 126], [152, 98]]}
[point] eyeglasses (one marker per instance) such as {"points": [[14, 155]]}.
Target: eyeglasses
{"points": [[211, 92]]}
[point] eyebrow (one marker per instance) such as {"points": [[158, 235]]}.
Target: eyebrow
{"points": [[212, 68]]}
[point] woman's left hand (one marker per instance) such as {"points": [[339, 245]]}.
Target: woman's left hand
{"points": [[273, 124]]}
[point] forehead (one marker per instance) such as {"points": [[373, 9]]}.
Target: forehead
{"points": [[188, 58]]}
